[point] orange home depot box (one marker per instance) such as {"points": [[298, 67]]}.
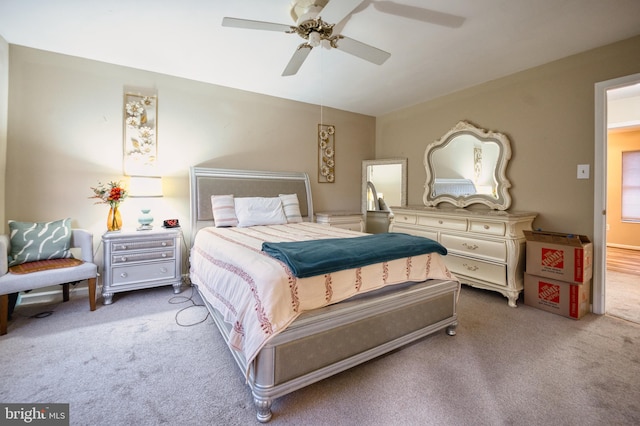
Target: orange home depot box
{"points": [[567, 299], [563, 257]]}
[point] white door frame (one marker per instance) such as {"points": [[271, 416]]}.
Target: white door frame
{"points": [[600, 188]]}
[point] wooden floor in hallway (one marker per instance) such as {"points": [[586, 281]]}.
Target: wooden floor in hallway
{"points": [[623, 260]]}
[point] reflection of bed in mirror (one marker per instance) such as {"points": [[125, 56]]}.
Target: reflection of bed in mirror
{"points": [[384, 184], [384, 307], [455, 186]]}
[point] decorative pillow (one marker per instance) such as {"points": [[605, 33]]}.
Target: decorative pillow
{"points": [[291, 207], [252, 211], [224, 210], [31, 241]]}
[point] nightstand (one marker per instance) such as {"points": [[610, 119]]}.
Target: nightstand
{"points": [[342, 219], [141, 259]]}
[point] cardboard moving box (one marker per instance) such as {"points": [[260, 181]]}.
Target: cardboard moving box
{"points": [[567, 299], [563, 257]]}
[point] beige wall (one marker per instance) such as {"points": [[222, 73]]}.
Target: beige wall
{"points": [[65, 135], [547, 112], [620, 233], [4, 93]]}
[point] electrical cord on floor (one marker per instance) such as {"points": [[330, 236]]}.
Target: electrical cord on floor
{"points": [[184, 299]]}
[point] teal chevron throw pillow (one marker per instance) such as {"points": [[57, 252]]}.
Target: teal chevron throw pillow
{"points": [[31, 241]]}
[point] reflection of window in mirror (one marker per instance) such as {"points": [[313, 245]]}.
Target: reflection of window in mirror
{"points": [[384, 184], [387, 180]]}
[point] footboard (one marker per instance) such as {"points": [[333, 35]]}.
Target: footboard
{"points": [[327, 341]]}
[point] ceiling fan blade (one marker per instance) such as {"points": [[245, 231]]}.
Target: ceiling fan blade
{"points": [[419, 14], [361, 50], [336, 10], [297, 59], [254, 25]]}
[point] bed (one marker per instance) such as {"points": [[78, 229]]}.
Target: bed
{"points": [[290, 330]]}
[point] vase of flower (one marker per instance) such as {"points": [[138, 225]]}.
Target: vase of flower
{"points": [[114, 220], [113, 194]]}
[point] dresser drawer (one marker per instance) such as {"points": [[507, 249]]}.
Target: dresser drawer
{"points": [[443, 222], [477, 269], [405, 218], [130, 245], [143, 272], [419, 232], [490, 228], [490, 250], [129, 257]]}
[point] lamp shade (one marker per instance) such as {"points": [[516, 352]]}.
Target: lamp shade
{"points": [[144, 186]]}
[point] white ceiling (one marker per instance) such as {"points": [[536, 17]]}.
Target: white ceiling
{"points": [[428, 59]]}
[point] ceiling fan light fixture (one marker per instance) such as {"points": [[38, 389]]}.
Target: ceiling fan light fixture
{"points": [[314, 39]]}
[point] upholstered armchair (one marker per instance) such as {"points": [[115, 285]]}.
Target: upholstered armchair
{"points": [[47, 273]]}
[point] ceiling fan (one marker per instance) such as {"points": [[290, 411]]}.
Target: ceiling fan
{"points": [[315, 21]]}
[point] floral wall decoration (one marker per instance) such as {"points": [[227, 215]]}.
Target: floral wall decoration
{"points": [[140, 134], [326, 153]]}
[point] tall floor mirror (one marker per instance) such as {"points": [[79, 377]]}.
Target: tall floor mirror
{"points": [[384, 185]]}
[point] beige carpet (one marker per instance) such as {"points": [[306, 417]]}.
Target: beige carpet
{"points": [[137, 362], [622, 297]]}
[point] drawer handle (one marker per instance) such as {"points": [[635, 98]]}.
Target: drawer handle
{"points": [[406, 218], [123, 258], [440, 222], [487, 227], [164, 254], [163, 270], [123, 247], [471, 268], [469, 246], [164, 244], [123, 275]]}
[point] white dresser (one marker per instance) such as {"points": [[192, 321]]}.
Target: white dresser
{"points": [[486, 248], [141, 259]]}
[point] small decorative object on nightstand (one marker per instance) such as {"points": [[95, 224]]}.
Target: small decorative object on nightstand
{"points": [[135, 260], [145, 187], [342, 219]]}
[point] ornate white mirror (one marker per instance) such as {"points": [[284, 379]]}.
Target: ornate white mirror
{"points": [[384, 184], [468, 166]]}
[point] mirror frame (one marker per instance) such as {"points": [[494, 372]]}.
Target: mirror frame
{"points": [[503, 200], [403, 189]]}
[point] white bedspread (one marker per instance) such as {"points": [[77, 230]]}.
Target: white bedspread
{"points": [[260, 296]]}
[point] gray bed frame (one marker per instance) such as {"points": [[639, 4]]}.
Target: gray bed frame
{"points": [[307, 351]]}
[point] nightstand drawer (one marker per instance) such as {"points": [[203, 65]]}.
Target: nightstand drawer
{"points": [[144, 272], [130, 245], [142, 256]]}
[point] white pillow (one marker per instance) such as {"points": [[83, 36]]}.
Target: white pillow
{"points": [[291, 207], [252, 211], [224, 211]]}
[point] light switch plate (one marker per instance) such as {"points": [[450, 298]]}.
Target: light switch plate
{"points": [[583, 171]]}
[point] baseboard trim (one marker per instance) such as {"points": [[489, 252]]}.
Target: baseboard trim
{"points": [[52, 294]]}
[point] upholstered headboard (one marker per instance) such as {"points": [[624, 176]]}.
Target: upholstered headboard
{"points": [[206, 182]]}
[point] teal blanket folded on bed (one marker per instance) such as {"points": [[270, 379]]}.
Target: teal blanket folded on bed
{"points": [[318, 257]]}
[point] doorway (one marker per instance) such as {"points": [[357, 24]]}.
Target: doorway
{"points": [[606, 296]]}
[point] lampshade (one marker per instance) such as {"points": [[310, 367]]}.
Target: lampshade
{"points": [[144, 186]]}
